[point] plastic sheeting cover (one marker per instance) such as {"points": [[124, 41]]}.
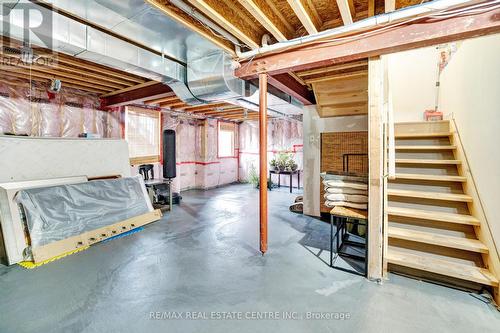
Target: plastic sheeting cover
{"points": [[58, 212]]}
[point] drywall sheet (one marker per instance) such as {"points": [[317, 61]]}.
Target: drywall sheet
{"points": [[59, 212]]}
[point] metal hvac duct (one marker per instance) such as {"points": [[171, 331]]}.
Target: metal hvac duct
{"points": [[197, 70]]}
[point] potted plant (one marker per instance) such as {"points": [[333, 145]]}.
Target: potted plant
{"points": [[273, 164], [253, 177]]}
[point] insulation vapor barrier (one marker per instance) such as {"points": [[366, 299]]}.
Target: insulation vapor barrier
{"points": [[58, 212], [282, 136], [29, 111]]}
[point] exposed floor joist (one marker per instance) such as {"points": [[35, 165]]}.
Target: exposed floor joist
{"points": [[346, 8], [215, 15], [406, 37], [303, 13], [266, 17]]}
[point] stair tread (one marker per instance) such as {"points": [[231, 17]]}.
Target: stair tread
{"points": [[434, 147], [422, 135], [425, 161], [442, 266], [433, 215], [466, 244], [430, 195], [417, 176]]}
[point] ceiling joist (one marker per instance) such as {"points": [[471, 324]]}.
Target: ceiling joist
{"points": [[238, 31], [304, 15], [268, 19], [346, 8], [390, 5]]}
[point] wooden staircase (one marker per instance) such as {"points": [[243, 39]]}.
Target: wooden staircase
{"points": [[431, 231]]}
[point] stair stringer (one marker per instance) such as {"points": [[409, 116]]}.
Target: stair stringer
{"points": [[476, 209]]}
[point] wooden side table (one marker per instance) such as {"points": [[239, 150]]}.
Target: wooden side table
{"points": [[342, 216]]}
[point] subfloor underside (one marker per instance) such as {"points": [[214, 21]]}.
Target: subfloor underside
{"points": [[202, 261]]}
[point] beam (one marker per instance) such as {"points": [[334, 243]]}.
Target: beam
{"points": [[390, 5], [371, 8], [345, 8], [161, 100], [202, 107], [204, 7], [375, 170], [224, 112], [405, 37], [263, 161], [173, 104], [279, 15], [137, 95], [266, 21], [300, 10], [349, 65], [64, 80], [287, 84]]}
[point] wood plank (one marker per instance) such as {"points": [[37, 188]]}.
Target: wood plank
{"points": [[389, 5], [434, 178], [342, 76], [215, 16], [81, 82], [86, 65], [430, 195], [483, 233], [443, 267], [264, 19], [371, 8], [433, 215], [348, 65], [428, 147], [349, 212], [460, 243], [304, 17], [57, 248], [375, 170], [422, 135], [329, 111], [345, 11], [422, 161], [137, 86]]}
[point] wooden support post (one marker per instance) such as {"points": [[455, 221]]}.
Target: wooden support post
{"points": [[263, 160], [375, 172]]}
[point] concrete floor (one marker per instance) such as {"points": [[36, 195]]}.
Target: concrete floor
{"points": [[204, 258]]}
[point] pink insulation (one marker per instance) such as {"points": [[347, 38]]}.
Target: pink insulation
{"points": [[198, 165], [26, 111], [283, 136]]}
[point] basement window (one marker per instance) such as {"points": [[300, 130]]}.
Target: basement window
{"points": [[226, 139], [142, 132]]}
